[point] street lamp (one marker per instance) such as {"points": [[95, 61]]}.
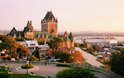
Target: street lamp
{"points": [[86, 64], [27, 63]]}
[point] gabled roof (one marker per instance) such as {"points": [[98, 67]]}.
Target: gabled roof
{"points": [[70, 36], [13, 31]]}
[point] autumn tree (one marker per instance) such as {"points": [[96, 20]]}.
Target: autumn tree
{"points": [[11, 42], [14, 49], [22, 51], [40, 41], [77, 57]]}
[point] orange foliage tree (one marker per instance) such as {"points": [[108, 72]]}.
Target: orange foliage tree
{"points": [[77, 57], [13, 46]]}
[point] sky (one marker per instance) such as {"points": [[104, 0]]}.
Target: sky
{"points": [[72, 15]]}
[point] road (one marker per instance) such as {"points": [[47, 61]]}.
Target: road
{"points": [[89, 58], [42, 69]]}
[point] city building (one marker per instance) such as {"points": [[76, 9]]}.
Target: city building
{"points": [[49, 24], [68, 41], [31, 44], [27, 33], [48, 29]]}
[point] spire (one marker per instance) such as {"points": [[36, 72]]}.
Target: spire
{"points": [[70, 36], [65, 36], [29, 27], [28, 23]]}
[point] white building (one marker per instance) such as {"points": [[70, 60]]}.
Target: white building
{"points": [[31, 44], [43, 47]]}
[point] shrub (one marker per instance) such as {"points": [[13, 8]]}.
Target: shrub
{"points": [[27, 66], [4, 69], [63, 65], [3, 75]]}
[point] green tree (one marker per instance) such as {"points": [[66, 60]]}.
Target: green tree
{"points": [[77, 72], [4, 46], [90, 50], [81, 45], [117, 63], [36, 53], [54, 42], [63, 56]]}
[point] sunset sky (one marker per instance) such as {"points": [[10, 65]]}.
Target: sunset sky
{"points": [[73, 15]]}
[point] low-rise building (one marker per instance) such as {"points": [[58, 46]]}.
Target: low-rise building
{"points": [[31, 44], [43, 47]]}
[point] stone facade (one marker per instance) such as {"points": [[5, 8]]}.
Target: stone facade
{"points": [[49, 29], [68, 41], [49, 24], [27, 33]]}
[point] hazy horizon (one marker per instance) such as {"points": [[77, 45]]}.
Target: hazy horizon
{"points": [[73, 15]]}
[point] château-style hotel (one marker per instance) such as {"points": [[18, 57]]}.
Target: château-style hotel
{"points": [[48, 28]]}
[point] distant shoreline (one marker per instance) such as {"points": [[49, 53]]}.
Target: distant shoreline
{"points": [[82, 33]]}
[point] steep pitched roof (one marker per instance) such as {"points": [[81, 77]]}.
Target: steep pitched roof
{"points": [[29, 27], [49, 16], [70, 36], [13, 31]]}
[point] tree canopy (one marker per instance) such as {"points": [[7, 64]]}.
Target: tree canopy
{"points": [[9, 43], [76, 72], [54, 42], [63, 56], [117, 63], [14, 49]]}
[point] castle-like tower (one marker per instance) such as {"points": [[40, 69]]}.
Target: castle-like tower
{"points": [[49, 24], [29, 31]]}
